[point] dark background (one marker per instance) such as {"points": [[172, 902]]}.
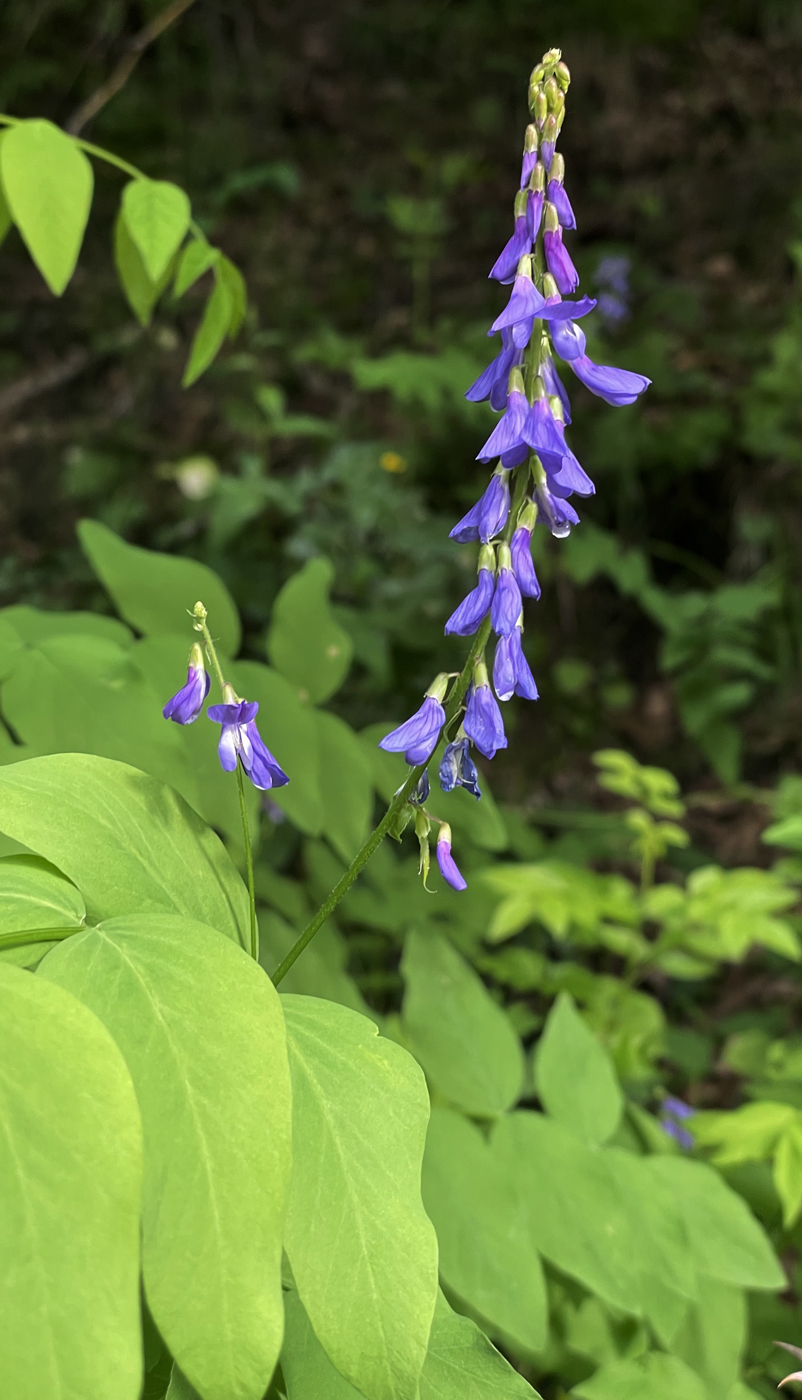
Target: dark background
{"points": [[338, 151]]}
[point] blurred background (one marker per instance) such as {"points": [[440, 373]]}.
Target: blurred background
{"points": [[358, 159]]}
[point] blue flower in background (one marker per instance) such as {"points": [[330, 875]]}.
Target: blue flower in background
{"points": [[672, 1119], [185, 706], [457, 768], [448, 866], [612, 275], [240, 740]]}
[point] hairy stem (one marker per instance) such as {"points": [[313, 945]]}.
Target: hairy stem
{"points": [[376, 837]]}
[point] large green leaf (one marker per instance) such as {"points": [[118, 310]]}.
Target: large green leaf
{"points": [[156, 214], [346, 787], [127, 841], [70, 1179], [201, 1030], [34, 624], [712, 1335], [725, 1239], [321, 970], [487, 1255], [290, 732], [47, 182], [654, 1376], [461, 1364], [305, 642], [464, 1041], [575, 1077], [34, 895], [155, 592], [362, 1250]]}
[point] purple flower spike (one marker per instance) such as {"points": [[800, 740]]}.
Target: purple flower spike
{"points": [[185, 706], [521, 553], [511, 673], [508, 433], [483, 723], [507, 602], [457, 768], [569, 340], [559, 263], [448, 866], [488, 516], [617, 387], [506, 264], [417, 737], [240, 740], [556, 195], [465, 619], [524, 303]]}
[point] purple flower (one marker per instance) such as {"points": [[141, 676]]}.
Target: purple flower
{"points": [[569, 340], [507, 435], [612, 308], [507, 603], [457, 768], [570, 476], [488, 516], [616, 386], [556, 195], [506, 264], [185, 706], [521, 554], [448, 866], [524, 303], [421, 790], [613, 272], [240, 739], [671, 1120], [492, 382], [540, 430], [558, 260], [511, 673], [558, 310], [557, 513], [534, 213], [417, 737], [530, 155], [483, 722], [465, 619]]}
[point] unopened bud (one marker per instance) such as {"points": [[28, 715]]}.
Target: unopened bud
{"points": [[551, 126], [538, 388], [541, 108], [438, 687], [560, 119], [519, 208], [515, 381], [524, 268], [504, 557], [537, 180], [557, 411], [550, 218], [537, 75], [487, 559], [527, 517], [196, 660], [230, 696], [554, 95], [557, 171], [533, 92], [551, 57], [530, 139], [549, 286], [480, 672], [562, 74]]}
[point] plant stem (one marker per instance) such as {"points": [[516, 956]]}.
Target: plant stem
{"points": [[378, 834], [246, 836], [211, 651], [35, 935]]}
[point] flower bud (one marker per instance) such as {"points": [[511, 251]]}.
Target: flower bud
{"points": [[438, 687], [563, 75], [519, 207], [557, 171], [524, 268], [554, 95], [527, 516], [515, 382], [530, 139], [487, 559], [538, 389], [422, 828], [541, 108], [537, 75], [549, 284], [537, 180], [551, 219]]}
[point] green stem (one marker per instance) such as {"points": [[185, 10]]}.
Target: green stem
{"points": [[376, 837], [246, 836], [211, 651], [35, 935]]}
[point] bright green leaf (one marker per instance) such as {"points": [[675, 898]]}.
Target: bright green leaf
{"points": [[362, 1250], [127, 841], [196, 259], [487, 1257], [201, 1030], [321, 970], [180, 1388], [235, 286], [290, 731], [304, 642], [788, 1171], [141, 291], [157, 216], [212, 331], [70, 1178], [47, 182], [454, 1028], [574, 1076], [34, 895], [654, 1376], [345, 785], [34, 625], [156, 592], [712, 1334]]}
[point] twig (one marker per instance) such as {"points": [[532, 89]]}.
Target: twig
{"points": [[136, 47]]}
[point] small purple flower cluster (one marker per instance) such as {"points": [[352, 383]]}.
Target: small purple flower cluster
{"points": [[536, 471]]}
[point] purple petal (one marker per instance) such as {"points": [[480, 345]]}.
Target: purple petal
{"points": [[618, 387], [557, 196], [520, 548], [240, 713], [527, 166], [186, 705], [559, 515], [569, 340], [465, 619], [497, 372], [418, 734], [547, 153], [524, 680], [507, 603], [227, 747], [558, 310], [554, 385], [467, 528], [494, 507], [534, 213], [263, 770], [506, 264], [483, 722], [507, 434], [448, 867], [559, 262], [504, 669], [524, 303], [540, 430]]}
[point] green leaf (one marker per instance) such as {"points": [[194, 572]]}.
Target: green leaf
{"points": [[454, 1028], [291, 733], [235, 286], [34, 625], [70, 1174], [346, 789], [712, 1334], [155, 592], [215, 325], [788, 1171], [197, 258], [575, 1077], [654, 1376], [321, 970], [362, 1250], [34, 895], [725, 1239], [487, 1257], [47, 183], [304, 642], [140, 289], [127, 841], [157, 216], [179, 1387], [201, 1030]]}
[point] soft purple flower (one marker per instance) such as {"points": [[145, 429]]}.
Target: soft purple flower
{"points": [[507, 602], [558, 310], [554, 386], [540, 432], [417, 737], [508, 432], [448, 866], [457, 768], [488, 516], [506, 264], [527, 166], [240, 739], [547, 152], [524, 303], [569, 340], [612, 308], [555, 512], [465, 619], [613, 272], [185, 706], [521, 553], [492, 382], [675, 1111], [618, 387], [559, 263], [556, 195], [511, 673], [483, 723], [534, 213]]}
